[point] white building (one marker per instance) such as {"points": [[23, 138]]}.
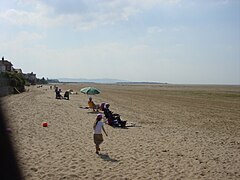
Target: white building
{"points": [[5, 65]]}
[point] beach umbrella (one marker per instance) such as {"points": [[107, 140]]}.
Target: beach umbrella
{"points": [[90, 90]]}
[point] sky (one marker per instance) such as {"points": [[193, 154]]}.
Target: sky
{"points": [[168, 41]]}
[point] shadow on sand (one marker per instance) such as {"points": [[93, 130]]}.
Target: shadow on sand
{"points": [[106, 157], [127, 126], [93, 112]]}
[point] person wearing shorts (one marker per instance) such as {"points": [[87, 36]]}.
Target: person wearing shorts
{"points": [[97, 133]]}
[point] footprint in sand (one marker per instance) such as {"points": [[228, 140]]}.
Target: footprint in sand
{"points": [[34, 169]]}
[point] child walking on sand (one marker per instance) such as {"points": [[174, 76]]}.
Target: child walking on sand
{"points": [[97, 134]]}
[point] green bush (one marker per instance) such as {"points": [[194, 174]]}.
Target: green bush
{"points": [[16, 80]]}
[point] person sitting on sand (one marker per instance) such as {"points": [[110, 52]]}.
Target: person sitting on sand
{"points": [[97, 134], [102, 106], [113, 119], [66, 95], [92, 105], [58, 94]]}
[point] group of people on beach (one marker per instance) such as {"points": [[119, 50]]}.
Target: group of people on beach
{"points": [[112, 119], [59, 96]]}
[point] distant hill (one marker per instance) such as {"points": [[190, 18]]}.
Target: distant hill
{"points": [[107, 81], [103, 81], [52, 80], [140, 83]]}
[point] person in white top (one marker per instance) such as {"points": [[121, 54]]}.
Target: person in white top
{"points": [[97, 133]]}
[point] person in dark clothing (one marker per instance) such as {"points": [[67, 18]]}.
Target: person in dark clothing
{"points": [[58, 93], [113, 118], [66, 95], [102, 106], [108, 114]]}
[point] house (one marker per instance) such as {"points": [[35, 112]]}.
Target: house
{"points": [[19, 71], [31, 77], [5, 65]]}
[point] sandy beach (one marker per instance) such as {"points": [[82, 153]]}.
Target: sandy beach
{"points": [[180, 132]]}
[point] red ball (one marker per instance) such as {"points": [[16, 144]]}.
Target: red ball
{"points": [[45, 124]]}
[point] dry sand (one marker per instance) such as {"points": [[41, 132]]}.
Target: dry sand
{"points": [[182, 132]]}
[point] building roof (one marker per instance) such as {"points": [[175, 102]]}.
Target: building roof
{"points": [[5, 62]]}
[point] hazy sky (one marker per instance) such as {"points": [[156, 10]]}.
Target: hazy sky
{"points": [[174, 41]]}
